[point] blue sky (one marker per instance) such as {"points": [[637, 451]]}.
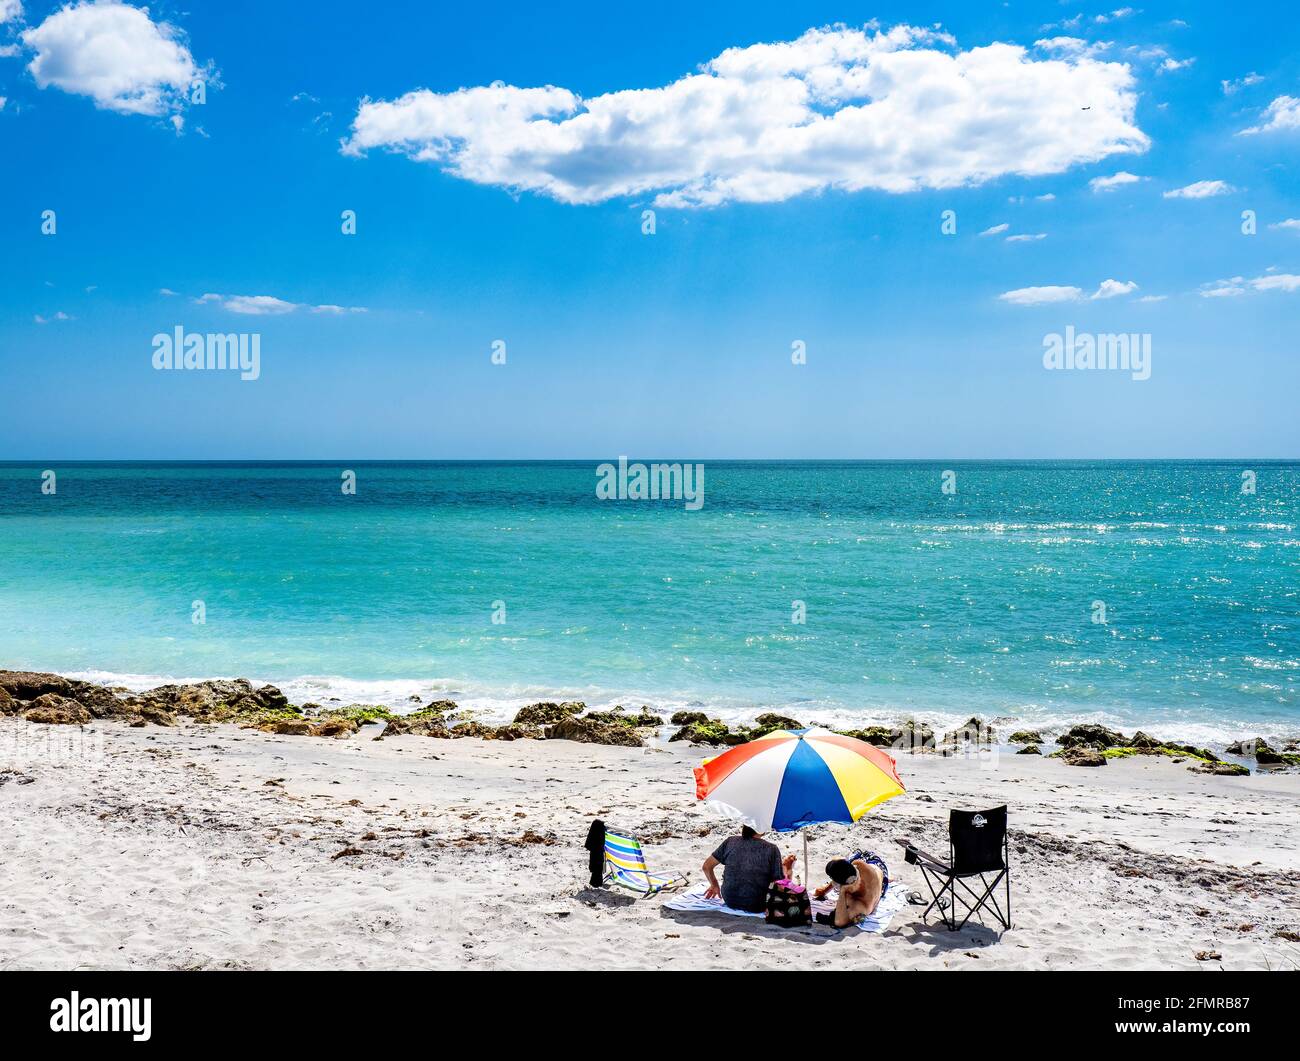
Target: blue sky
{"points": [[786, 209]]}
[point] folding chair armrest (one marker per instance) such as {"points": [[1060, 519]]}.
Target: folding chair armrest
{"points": [[918, 857]]}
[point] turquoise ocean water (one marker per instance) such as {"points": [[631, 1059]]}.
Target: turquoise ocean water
{"points": [[918, 602]]}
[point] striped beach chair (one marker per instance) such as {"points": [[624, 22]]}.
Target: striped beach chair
{"points": [[625, 866]]}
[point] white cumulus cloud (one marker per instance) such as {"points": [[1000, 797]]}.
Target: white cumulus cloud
{"points": [[1114, 288], [841, 108], [1282, 114], [1201, 190], [115, 54], [1290, 223]]}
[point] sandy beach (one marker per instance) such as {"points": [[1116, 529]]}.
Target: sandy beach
{"points": [[208, 846]]}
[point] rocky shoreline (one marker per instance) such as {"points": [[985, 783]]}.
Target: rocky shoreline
{"points": [[51, 699]]}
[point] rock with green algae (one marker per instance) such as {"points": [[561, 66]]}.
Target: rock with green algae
{"points": [[32, 685], [483, 731], [1271, 757], [431, 721], [234, 701], [157, 715], [1222, 769], [880, 736], [334, 727], [770, 722], [1080, 755], [643, 719], [585, 731], [917, 736], [548, 713], [289, 727], [909, 735], [1030, 749], [1193, 750], [711, 731], [1176, 751], [52, 709], [1026, 736], [974, 731], [1263, 753], [688, 718], [358, 714], [1092, 736]]}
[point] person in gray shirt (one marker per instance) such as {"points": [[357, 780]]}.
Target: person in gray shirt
{"points": [[751, 865]]}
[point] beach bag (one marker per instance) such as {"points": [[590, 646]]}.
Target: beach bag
{"points": [[788, 904]]}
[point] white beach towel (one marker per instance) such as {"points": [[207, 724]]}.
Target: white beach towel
{"points": [[890, 903]]}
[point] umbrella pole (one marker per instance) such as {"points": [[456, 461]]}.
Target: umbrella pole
{"points": [[807, 874]]}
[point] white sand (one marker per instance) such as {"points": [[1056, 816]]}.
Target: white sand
{"points": [[210, 847]]}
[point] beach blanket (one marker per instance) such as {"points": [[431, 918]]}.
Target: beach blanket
{"points": [[890, 903]]}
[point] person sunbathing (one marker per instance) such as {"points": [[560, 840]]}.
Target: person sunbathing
{"points": [[752, 864], [861, 880]]}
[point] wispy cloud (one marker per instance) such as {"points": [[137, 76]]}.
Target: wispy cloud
{"points": [[269, 305], [53, 318], [1074, 47], [1026, 237], [1232, 87], [1037, 296], [1238, 285], [1292, 223], [996, 230], [837, 108], [1201, 190], [1115, 180]]}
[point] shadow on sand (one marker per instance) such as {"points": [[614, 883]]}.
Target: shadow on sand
{"points": [[756, 926]]}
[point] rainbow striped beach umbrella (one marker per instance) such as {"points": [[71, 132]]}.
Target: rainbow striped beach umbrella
{"points": [[790, 779]]}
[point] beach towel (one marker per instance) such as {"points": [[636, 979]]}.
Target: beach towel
{"points": [[890, 903]]}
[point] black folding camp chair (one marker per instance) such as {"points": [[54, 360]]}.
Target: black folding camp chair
{"points": [[977, 847]]}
